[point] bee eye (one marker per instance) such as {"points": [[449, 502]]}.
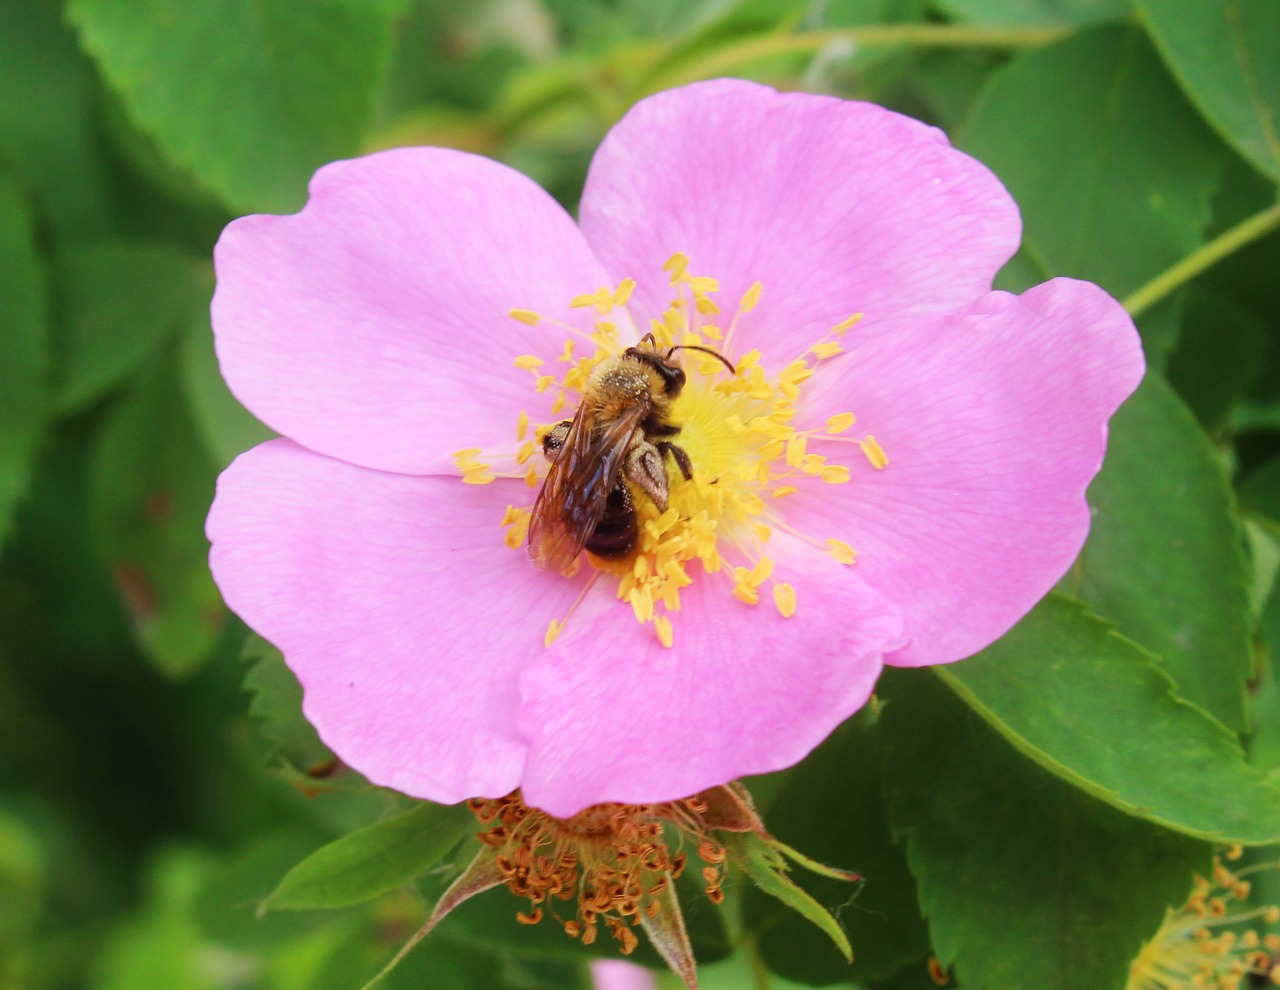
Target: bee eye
{"points": [[675, 380]]}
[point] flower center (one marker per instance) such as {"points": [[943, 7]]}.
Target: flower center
{"points": [[614, 861], [730, 442]]}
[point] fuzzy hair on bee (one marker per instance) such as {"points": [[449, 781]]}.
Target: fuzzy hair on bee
{"points": [[612, 451]]}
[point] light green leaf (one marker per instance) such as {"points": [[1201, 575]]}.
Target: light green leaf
{"points": [[227, 427], [1090, 706], [23, 351], [1164, 558], [374, 860], [1027, 882], [120, 301], [1114, 172], [151, 489], [1226, 55], [250, 96]]}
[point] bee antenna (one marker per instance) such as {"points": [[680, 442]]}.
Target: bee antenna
{"points": [[705, 350]]}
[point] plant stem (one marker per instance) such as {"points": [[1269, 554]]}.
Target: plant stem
{"points": [[760, 975], [1202, 258], [724, 59]]}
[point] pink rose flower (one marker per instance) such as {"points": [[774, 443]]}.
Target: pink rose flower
{"points": [[894, 471]]}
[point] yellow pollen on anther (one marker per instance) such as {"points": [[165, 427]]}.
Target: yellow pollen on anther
{"points": [[845, 325], [784, 596], [525, 316], [741, 426], [553, 630], [875, 453]]}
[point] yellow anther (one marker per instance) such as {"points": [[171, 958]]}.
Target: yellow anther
{"points": [[531, 477], [840, 422], [841, 551], [478, 476], [543, 382], [875, 453], [553, 630], [525, 316], [760, 573], [762, 532], [746, 594], [522, 425], [847, 324], [528, 362], [566, 355], [835, 474], [623, 292], [466, 455], [796, 447], [750, 298], [826, 349], [782, 490], [676, 265], [526, 451], [662, 626], [784, 596], [700, 283]]}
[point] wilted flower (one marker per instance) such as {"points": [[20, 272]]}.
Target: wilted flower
{"points": [[887, 466]]}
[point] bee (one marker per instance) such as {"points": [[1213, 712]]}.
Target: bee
{"points": [[620, 437]]}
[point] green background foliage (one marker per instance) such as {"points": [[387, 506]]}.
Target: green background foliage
{"points": [[1024, 818]]}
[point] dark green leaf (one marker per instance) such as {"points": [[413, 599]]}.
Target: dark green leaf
{"points": [[1027, 882], [120, 301], [1113, 171], [249, 95], [374, 860], [1227, 57], [24, 353], [152, 485], [1164, 559], [831, 809], [1091, 707], [277, 703], [1260, 490]]}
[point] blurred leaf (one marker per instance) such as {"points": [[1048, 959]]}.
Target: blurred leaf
{"points": [[24, 353], [375, 859], [227, 428], [1026, 881], [152, 486], [1036, 12], [120, 301], [22, 885], [1260, 490], [227, 904], [831, 809], [1219, 356], [1227, 57], [1113, 171], [162, 946], [251, 96], [1090, 706], [47, 127], [1164, 559]]}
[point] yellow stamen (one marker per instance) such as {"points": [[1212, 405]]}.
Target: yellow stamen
{"points": [[525, 316], [875, 453], [840, 422], [784, 597]]}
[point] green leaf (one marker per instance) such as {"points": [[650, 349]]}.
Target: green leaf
{"points": [[373, 860], [766, 867], [48, 129], [1113, 171], [1027, 882], [1226, 55], [1090, 706], [1028, 13], [151, 489], [227, 427], [23, 351], [251, 96], [1164, 557], [276, 701], [831, 808], [120, 301], [1260, 490]]}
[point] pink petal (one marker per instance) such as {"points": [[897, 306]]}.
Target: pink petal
{"points": [[612, 715], [618, 974], [994, 423], [835, 206], [374, 325], [397, 605]]}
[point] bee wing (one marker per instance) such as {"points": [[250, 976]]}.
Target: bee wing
{"points": [[573, 496]]}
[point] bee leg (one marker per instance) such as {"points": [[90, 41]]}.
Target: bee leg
{"points": [[679, 456], [555, 438], [645, 469]]}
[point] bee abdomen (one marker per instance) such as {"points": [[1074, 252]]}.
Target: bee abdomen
{"points": [[615, 533]]}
